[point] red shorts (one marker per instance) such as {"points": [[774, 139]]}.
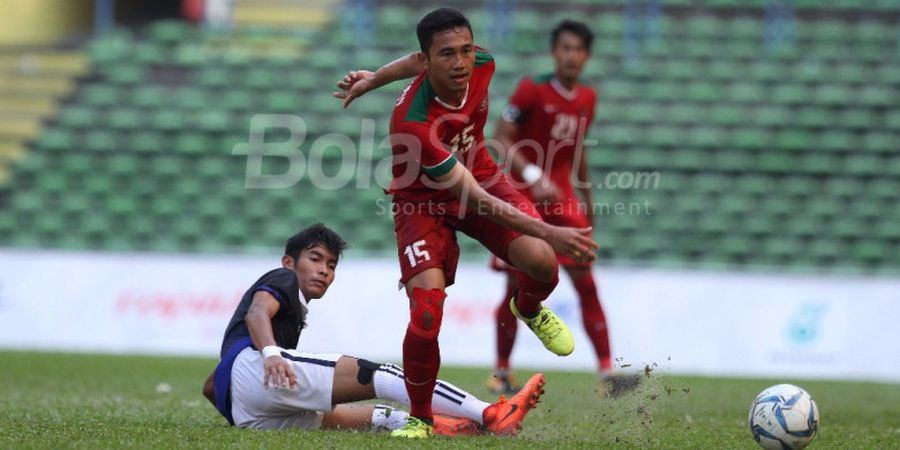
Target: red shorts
{"points": [[426, 232], [567, 213]]}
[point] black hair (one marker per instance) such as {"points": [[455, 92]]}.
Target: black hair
{"points": [[441, 19], [575, 27], [311, 236]]}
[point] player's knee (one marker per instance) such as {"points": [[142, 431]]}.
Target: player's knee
{"points": [[426, 310], [366, 371], [543, 267]]}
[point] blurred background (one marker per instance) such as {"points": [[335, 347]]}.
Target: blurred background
{"points": [[772, 235]]}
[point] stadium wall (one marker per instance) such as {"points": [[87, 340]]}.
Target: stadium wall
{"points": [[683, 321]]}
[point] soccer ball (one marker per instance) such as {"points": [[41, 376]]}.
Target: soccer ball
{"points": [[784, 417]]}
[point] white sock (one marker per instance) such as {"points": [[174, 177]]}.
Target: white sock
{"points": [[447, 400], [385, 418]]}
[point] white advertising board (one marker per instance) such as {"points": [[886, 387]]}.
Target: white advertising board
{"points": [[685, 321]]}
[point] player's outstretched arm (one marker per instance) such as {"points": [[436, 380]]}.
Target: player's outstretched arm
{"points": [[574, 242], [259, 323], [358, 82], [542, 189], [209, 389]]}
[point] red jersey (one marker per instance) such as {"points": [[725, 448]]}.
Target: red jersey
{"points": [[428, 136], [552, 120]]}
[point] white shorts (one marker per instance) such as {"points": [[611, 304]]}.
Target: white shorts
{"points": [[302, 406]]}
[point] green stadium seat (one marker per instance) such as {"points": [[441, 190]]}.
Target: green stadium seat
{"points": [[167, 120], [148, 142], [214, 77], [192, 143], [793, 140], [125, 119], [750, 138], [832, 95], [148, 96], [77, 117], [703, 92], [124, 74], [147, 53], [881, 142], [771, 116], [776, 162], [791, 94], [169, 32], [744, 92], [837, 141], [100, 96], [212, 121], [662, 91], [877, 96], [57, 139], [813, 117], [722, 70], [864, 165], [99, 141]]}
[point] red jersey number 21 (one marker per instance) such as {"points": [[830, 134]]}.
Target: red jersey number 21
{"points": [[415, 253], [564, 127]]}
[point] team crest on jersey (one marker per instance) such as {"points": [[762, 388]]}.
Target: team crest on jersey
{"points": [[549, 109], [483, 105]]}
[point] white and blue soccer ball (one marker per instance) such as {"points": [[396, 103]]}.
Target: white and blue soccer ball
{"points": [[784, 417]]}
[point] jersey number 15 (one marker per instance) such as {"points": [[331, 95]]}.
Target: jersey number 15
{"points": [[415, 253]]}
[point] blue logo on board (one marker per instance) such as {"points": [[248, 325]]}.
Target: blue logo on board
{"points": [[805, 324]]}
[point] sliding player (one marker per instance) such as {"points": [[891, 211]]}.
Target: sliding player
{"points": [[262, 381]]}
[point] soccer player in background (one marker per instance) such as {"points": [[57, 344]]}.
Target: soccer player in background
{"points": [[542, 132], [445, 181], [280, 387]]}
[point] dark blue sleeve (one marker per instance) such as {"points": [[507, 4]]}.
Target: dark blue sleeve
{"points": [[282, 284]]}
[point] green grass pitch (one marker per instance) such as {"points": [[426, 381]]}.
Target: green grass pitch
{"points": [[102, 401]]}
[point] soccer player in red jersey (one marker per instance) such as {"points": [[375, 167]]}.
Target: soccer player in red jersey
{"points": [[542, 130], [444, 181]]}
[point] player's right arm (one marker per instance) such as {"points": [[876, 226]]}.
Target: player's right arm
{"points": [[358, 82], [574, 242], [522, 103], [542, 188], [259, 323]]}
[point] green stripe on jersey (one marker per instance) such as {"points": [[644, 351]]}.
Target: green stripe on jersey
{"points": [[543, 78], [442, 168], [418, 108], [482, 58]]}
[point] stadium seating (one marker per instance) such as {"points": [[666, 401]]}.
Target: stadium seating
{"points": [[787, 156]]}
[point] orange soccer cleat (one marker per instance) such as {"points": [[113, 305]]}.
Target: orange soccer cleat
{"points": [[452, 426], [505, 416]]}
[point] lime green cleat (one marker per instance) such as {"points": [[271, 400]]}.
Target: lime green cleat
{"points": [[549, 328], [415, 428]]}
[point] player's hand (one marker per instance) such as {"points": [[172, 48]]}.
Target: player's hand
{"points": [[545, 191], [573, 242], [353, 85], [279, 372]]}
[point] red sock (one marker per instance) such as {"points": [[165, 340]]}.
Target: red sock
{"points": [[421, 354], [506, 326], [532, 292], [594, 319]]}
